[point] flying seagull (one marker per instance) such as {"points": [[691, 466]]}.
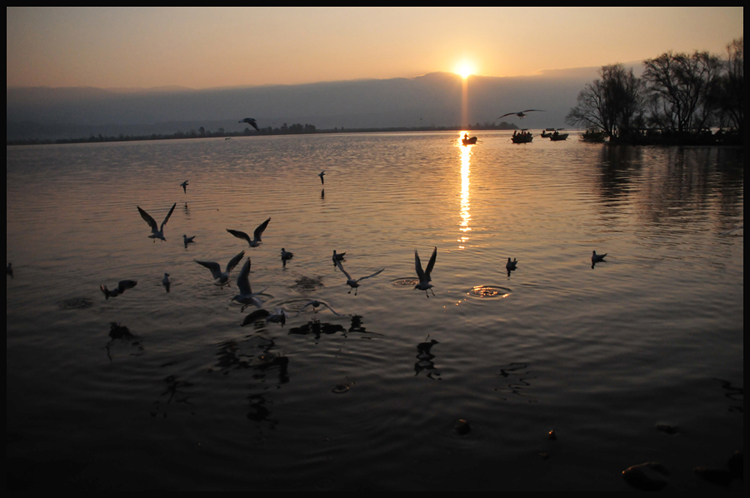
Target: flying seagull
{"points": [[315, 303], [251, 122], [255, 241], [184, 186], [520, 114], [156, 233], [424, 276], [354, 284], [222, 278], [246, 295], [121, 287]]}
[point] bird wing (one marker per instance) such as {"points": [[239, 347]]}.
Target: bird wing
{"points": [[151, 222], [368, 276], [233, 262], [431, 264], [167, 218], [214, 267], [243, 279], [239, 234], [341, 267], [332, 310], [508, 114], [255, 316], [124, 285], [529, 110], [418, 266], [259, 231]]}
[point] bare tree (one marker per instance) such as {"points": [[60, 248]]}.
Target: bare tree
{"points": [[732, 85], [613, 103], [682, 89]]}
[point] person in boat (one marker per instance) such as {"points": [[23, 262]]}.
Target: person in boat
{"points": [[466, 136], [514, 132]]}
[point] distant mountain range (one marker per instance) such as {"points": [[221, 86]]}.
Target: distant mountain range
{"points": [[430, 100]]}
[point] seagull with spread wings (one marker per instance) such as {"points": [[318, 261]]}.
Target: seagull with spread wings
{"points": [[157, 232], [520, 114], [255, 241], [424, 275], [354, 284]]}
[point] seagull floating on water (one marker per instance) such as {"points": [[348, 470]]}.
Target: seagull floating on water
{"points": [[597, 258], [188, 240], [246, 295], [354, 284], [321, 175], [165, 281], [511, 265], [286, 255], [279, 316], [251, 122], [315, 303], [156, 233], [255, 241], [424, 275], [122, 286], [222, 278], [520, 114], [184, 186]]}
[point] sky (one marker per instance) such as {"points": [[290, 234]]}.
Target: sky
{"points": [[225, 47]]}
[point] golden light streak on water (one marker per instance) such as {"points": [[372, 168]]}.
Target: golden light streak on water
{"points": [[466, 151]]}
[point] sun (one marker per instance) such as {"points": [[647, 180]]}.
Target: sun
{"points": [[465, 69]]}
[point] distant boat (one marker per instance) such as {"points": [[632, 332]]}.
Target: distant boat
{"points": [[546, 135], [522, 138], [469, 141], [595, 136], [558, 136]]}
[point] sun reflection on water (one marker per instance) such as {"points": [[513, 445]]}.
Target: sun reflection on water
{"points": [[466, 151]]}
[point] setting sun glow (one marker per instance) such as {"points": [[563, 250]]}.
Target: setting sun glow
{"points": [[465, 69]]}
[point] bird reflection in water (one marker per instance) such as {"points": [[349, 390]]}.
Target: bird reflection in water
{"points": [[119, 332], [519, 375], [317, 329], [174, 388], [424, 359]]}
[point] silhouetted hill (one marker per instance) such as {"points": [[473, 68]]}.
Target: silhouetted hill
{"points": [[430, 100]]}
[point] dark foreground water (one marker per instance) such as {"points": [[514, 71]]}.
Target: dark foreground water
{"points": [[638, 359]]}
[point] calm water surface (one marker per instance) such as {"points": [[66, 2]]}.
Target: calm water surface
{"points": [[369, 399]]}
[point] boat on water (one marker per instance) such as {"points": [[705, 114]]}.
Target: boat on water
{"points": [[558, 136], [594, 136], [522, 138], [469, 141], [545, 134]]}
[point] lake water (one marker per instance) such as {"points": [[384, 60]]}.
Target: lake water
{"points": [[370, 398]]}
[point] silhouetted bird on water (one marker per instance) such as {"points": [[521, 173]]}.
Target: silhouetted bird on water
{"points": [[165, 281], [251, 122], [354, 284], [511, 265], [184, 186], [315, 303], [121, 287], [520, 114], [286, 255], [246, 295], [597, 258], [187, 240], [321, 175]]}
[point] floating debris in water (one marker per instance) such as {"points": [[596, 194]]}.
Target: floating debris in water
{"points": [[308, 283], [462, 427], [649, 476], [668, 429], [76, 303]]}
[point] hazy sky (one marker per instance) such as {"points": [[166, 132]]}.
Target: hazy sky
{"points": [[214, 47]]}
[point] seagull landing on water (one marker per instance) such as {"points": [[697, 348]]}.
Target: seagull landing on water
{"points": [[286, 255], [246, 295], [315, 303], [122, 286], [222, 278], [424, 275], [184, 186], [511, 265], [188, 240], [354, 284], [337, 257], [255, 241], [156, 232], [321, 175], [597, 258], [251, 122], [520, 114]]}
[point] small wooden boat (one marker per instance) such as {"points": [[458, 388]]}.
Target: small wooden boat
{"points": [[558, 136], [522, 138], [594, 136], [469, 141]]}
